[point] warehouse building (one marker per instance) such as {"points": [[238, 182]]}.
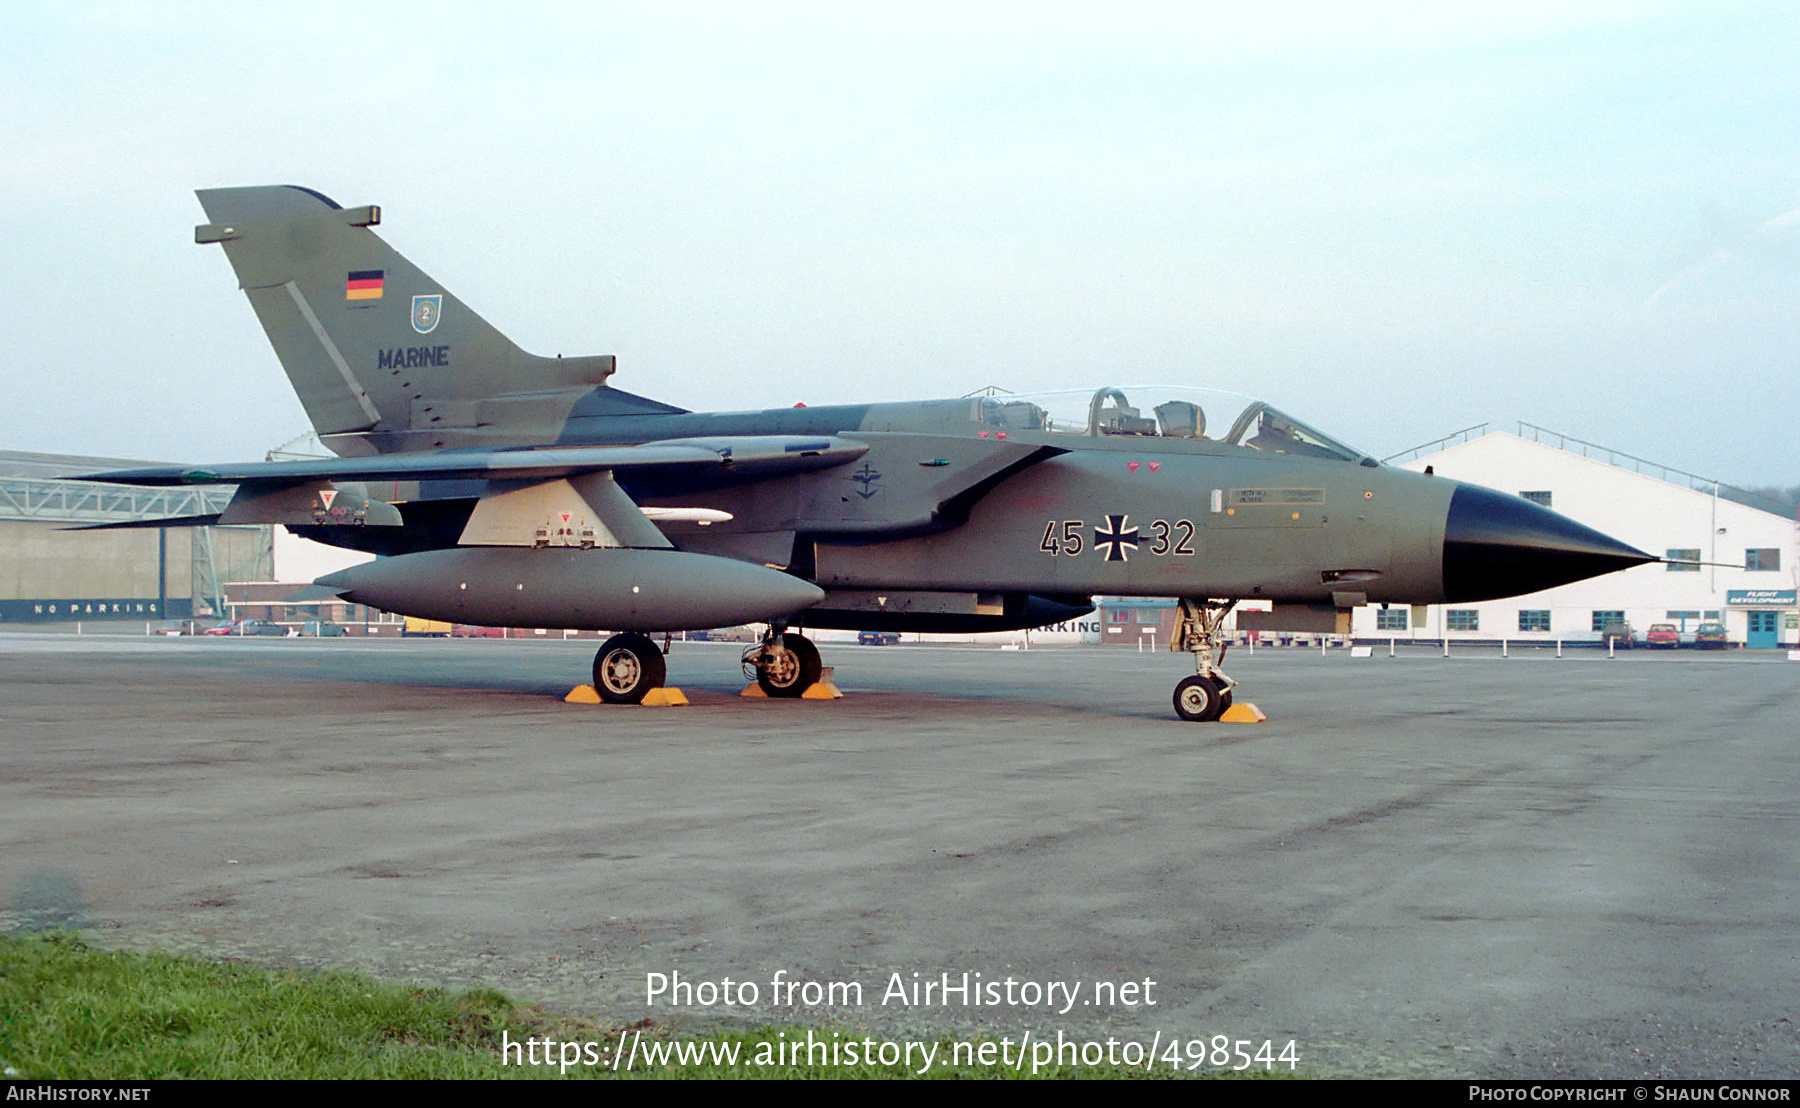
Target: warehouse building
{"points": [[50, 573], [1656, 508]]}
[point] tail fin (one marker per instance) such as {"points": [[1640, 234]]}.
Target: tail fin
{"points": [[382, 357]]}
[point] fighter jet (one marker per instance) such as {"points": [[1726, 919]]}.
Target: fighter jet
{"points": [[509, 489]]}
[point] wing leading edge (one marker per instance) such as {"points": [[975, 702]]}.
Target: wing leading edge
{"points": [[750, 456]]}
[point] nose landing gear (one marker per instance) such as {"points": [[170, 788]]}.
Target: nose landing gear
{"points": [[1203, 697]]}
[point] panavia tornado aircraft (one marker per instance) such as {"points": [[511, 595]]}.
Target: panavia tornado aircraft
{"points": [[509, 489]]}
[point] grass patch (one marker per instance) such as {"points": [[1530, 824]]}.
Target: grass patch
{"points": [[70, 1011]]}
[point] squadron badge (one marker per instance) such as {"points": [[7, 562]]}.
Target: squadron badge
{"points": [[425, 312]]}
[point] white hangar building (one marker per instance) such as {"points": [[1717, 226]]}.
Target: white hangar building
{"points": [[1659, 510]]}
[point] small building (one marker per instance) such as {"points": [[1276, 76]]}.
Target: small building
{"points": [[1135, 621]]}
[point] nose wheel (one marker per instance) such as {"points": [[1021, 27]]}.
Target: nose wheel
{"points": [[1200, 700], [1203, 697]]}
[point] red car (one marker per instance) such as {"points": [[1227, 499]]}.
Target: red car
{"points": [[1664, 635], [247, 627]]}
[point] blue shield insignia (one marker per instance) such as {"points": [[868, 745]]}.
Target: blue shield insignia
{"points": [[425, 312]]}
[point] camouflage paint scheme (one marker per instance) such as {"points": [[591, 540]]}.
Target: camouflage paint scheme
{"points": [[979, 513]]}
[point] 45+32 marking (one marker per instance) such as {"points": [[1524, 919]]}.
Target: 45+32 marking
{"points": [[1063, 537]]}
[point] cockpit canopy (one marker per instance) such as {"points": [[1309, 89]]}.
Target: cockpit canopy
{"points": [[1163, 412]]}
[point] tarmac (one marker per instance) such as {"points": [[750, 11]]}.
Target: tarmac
{"points": [[1420, 866]]}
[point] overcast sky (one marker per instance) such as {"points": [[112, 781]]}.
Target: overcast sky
{"points": [[1392, 220]]}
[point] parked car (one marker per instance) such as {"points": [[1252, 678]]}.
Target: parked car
{"points": [[878, 638], [1664, 635], [1710, 636], [1617, 633], [322, 629], [723, 634], [247, 627]]}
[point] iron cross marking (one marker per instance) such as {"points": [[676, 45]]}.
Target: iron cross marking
{"points": [[1116, 537]]}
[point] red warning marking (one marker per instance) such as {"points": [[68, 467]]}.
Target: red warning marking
{"points": [[1132, 466], [326, 496]]}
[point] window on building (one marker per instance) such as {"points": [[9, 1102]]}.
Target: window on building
{"points": [[1149, 615], [1766, 558], [1689, 556], [1390, 619], [1118, 615], [1541, 496], [1604, 617], [1715, 615], [1534, 619], [1462, 619]]}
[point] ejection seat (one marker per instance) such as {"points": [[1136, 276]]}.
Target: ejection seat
{"points": [[1181, 419]]}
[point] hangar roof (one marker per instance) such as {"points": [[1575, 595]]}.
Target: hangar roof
{"points": [[32, 487], [44, 467], [1594, 452]]}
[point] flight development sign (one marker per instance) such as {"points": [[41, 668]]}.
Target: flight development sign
{"points": [[1760, 598]]}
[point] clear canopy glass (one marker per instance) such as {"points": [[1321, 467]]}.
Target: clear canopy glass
{"points": [[1169, 412]]}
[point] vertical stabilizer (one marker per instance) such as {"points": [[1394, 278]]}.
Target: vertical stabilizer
{"points": [[374, 347]]}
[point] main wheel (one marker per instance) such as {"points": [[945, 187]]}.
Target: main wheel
{"points": [[627, 667], [790, 668], [1200, 700]]}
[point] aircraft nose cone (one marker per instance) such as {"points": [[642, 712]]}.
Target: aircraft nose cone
{"points": [[1498, 545]]}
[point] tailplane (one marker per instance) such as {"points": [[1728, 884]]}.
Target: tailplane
{"points": [[383, 358]]}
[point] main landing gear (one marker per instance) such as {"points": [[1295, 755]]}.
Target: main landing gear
{"points": [[627, 667], [785, 664], [1204, 696]]}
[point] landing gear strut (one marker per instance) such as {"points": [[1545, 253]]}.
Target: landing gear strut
{"points": [[785, 664], [627, 667], [1204, 696]]}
